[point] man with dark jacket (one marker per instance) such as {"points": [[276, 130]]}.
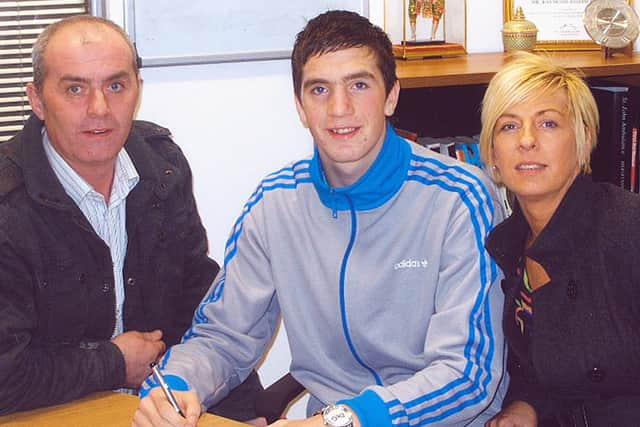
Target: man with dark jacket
{"points": [[103, 257]]}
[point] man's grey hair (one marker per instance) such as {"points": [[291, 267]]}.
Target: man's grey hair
{"points": [[40, 46]]}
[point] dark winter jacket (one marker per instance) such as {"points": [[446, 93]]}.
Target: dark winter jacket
{"points": [[56, 279], [582, 357]]}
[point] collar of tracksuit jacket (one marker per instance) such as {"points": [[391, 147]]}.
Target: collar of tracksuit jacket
{"points": [[383, 179]]}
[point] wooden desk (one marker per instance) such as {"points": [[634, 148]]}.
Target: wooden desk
{"points": [[107, 409]]}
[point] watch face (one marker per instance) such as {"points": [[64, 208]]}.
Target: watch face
{"points": [[611, 23], [337, 416]]}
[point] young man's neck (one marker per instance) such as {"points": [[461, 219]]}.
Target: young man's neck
{"points": [[343, 175]]}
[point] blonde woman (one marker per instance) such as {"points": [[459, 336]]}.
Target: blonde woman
{"points": [[569, 254]]}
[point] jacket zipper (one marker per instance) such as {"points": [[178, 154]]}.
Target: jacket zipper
{"points": [[343, 308]]}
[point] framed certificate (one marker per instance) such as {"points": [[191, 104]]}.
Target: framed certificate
{"points": [[559, 23]]}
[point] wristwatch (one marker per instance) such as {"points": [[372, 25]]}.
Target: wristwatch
{"points": [[337, 416]]}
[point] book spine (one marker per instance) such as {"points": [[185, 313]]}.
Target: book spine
{"points": [[623, 157], [605, 159], [634, 114], [633, 173]]}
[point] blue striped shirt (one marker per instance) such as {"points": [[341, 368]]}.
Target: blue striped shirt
{"points": [[107, 220]]}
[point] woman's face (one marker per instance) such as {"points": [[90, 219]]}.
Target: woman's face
{"points": [[534, 148]]}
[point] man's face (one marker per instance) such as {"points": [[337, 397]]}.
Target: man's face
{"points": [[88, 97], [344, 105]]}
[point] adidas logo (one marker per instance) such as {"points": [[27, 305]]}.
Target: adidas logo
{"points": [[411, 263]]}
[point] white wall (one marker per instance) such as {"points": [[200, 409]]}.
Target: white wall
{"points": [[237, 122]]}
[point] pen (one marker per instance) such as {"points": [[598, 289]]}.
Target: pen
{"points": [[165, 388]]}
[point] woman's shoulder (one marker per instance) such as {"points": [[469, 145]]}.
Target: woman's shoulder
{"points": [[617, 211]]}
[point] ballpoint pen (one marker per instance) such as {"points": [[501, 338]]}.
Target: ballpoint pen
{"points": [[165, 388]]}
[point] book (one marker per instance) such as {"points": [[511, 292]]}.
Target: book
{"points": [[634, 108], [448, 147], [431, 143], [407, 134], [611, 161], [469, 147], [634, 159]]}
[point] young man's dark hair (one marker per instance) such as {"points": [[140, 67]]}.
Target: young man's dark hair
{"points": [[337, 30]]}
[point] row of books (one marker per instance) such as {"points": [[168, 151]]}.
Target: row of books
{"points": [[616, 157], [463, 148]]}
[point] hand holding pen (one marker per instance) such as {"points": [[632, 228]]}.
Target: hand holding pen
{"points": [[165, 388], [183, 410]]}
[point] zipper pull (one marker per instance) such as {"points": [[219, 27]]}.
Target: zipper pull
{"points": [[334, 209]]}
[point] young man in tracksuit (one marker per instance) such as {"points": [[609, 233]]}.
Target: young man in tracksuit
{"points": [[372, 249]]}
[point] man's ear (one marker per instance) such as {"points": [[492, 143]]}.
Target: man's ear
{"points": [[301, 113], [139, 100], [35, 101], [392, 99]]}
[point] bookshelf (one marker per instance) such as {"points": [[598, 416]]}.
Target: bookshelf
{"points": [[441, 96], [478, 68]]}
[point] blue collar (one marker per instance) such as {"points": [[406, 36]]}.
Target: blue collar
{"points": [[383, 179]]}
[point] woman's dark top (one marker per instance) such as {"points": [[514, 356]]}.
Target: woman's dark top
{"points": [[579, 359]]}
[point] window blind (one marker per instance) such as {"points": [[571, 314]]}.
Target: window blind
{"points": [[21, 22]]}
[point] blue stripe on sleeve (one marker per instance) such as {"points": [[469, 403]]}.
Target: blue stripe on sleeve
{"points": [[470, 188], [286, 178]]}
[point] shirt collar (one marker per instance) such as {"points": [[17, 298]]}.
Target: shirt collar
{"points": [[125, 175]]}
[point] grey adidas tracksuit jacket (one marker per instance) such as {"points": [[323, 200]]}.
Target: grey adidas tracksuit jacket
{"points": [[390, 301]]}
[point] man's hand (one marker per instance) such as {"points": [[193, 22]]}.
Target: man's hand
{"points": [[155, 410], [139, 350], [517, 414]]}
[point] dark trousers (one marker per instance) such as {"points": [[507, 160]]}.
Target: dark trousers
{"points": [[240, 404]]}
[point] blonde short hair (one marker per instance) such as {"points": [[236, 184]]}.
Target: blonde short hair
{"points": [[526, 76]]}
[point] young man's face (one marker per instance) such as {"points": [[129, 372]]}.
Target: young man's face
{"points": [[344, 105], [89, 95]]}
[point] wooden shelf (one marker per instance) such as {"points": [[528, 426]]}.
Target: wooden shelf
{"points": [[478, 68]]}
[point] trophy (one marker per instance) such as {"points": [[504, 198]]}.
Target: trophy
{"points": [[424, 28]]}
